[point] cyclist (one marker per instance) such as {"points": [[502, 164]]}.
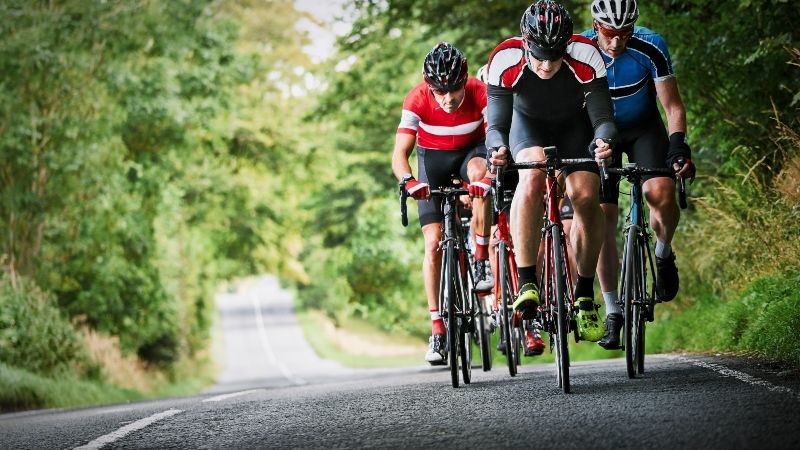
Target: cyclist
{"points": [[444, 117], [548, 87], [534, 345], [639, 70]]}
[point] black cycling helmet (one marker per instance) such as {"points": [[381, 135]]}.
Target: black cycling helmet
{"points": [[616, 14], [546, 29], [445, 68]]}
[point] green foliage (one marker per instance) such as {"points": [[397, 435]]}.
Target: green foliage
{"points": [[136, 144], [762, 319], [24, 389], [34, 334]]}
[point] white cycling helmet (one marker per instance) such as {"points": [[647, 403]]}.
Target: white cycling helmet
{"points": [[616, 14], [482, 73]]}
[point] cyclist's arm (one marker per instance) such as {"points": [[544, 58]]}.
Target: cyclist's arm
{"points": [[600, 108], [403, 146], [670, 98], [500, 103]]}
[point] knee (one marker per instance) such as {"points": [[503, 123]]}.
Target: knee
{"points": [[584, 202], [432, 240], [660, 194]]}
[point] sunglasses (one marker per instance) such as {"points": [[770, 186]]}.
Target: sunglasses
{"points": [[446, 91], [611, 33]]}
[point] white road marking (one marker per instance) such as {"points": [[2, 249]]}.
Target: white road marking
{"points": [[741, 376], [127, 429], [219, 398], [262, 334]]}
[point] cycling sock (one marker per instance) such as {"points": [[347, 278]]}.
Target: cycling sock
{"points": [[437, 323], [612, 307], [481, 247], [526, 275], [663, 250], [584, 287]]}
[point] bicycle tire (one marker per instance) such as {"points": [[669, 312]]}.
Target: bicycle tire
{"points": [[484, 339], [505, 304], [465, 319], [641, 312], [631, 311], [452, 321], [562, 327]]}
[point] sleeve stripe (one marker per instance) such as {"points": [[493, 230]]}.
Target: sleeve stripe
{"points": [[409, 120], [587, 54], [660, 59], [502, 62]]}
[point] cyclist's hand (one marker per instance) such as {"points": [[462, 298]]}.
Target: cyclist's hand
{"points": [[498, 157], [602, 151], [684, 168], [480, 188], [420, 191]]}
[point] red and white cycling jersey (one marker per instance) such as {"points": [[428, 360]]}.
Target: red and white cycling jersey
{"points": [[507, 61], [439, 130]]}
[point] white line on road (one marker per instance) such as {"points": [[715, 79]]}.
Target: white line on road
{"points": [[127, 429], [262, 334], [219, 398], [741, 376]]}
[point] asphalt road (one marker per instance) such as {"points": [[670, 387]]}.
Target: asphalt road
{"points": [[277, 394]]}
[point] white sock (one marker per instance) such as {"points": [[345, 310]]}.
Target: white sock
{"points": [[663, 250], [612, 307]]}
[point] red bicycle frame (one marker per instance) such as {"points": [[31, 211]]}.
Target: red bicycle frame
{"points": [[553, 220]]}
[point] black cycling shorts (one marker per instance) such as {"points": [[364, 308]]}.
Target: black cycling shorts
{"points": [[645, 144], [437, 168], [572, 137]]}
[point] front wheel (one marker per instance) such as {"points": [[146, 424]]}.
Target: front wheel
{"points": [[506, 329], [483, 338], [633, 299], [451, 299], [562, 321]]}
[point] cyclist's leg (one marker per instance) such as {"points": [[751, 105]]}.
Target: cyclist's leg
{"points": [[659, 192], [608, 262], [583, 187], [527, 138], [474, 169]]}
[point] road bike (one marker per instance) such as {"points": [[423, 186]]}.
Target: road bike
{"points": [[557, 313], [638, 298], [456, 294], [506, 282], [481, 333]]}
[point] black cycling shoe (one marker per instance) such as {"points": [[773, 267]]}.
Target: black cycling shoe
{"points": [[667, 280], [610, 339]]}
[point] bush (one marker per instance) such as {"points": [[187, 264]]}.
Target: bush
{"points": [[34, 335]]}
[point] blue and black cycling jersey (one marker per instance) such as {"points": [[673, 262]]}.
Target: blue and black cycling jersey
{"points": [[630, 76]]}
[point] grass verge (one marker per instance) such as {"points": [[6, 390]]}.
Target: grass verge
{"points": [[762, 319]]}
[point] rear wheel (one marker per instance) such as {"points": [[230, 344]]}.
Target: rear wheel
{"points": [[482, 328], [506, 330], [562, 309]]}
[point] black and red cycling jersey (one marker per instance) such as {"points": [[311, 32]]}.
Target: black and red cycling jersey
{"points": [[513, 86], [437, 129]]}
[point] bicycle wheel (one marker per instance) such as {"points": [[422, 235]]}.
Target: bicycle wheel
{"points": [[482, 335], [562, 328], [506, 330], [451, 299], [641, 309], [465, 319], [632, 310]]}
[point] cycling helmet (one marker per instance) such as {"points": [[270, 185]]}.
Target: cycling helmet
{"points": [[445, 68], [546, 29], [616, 14]]}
